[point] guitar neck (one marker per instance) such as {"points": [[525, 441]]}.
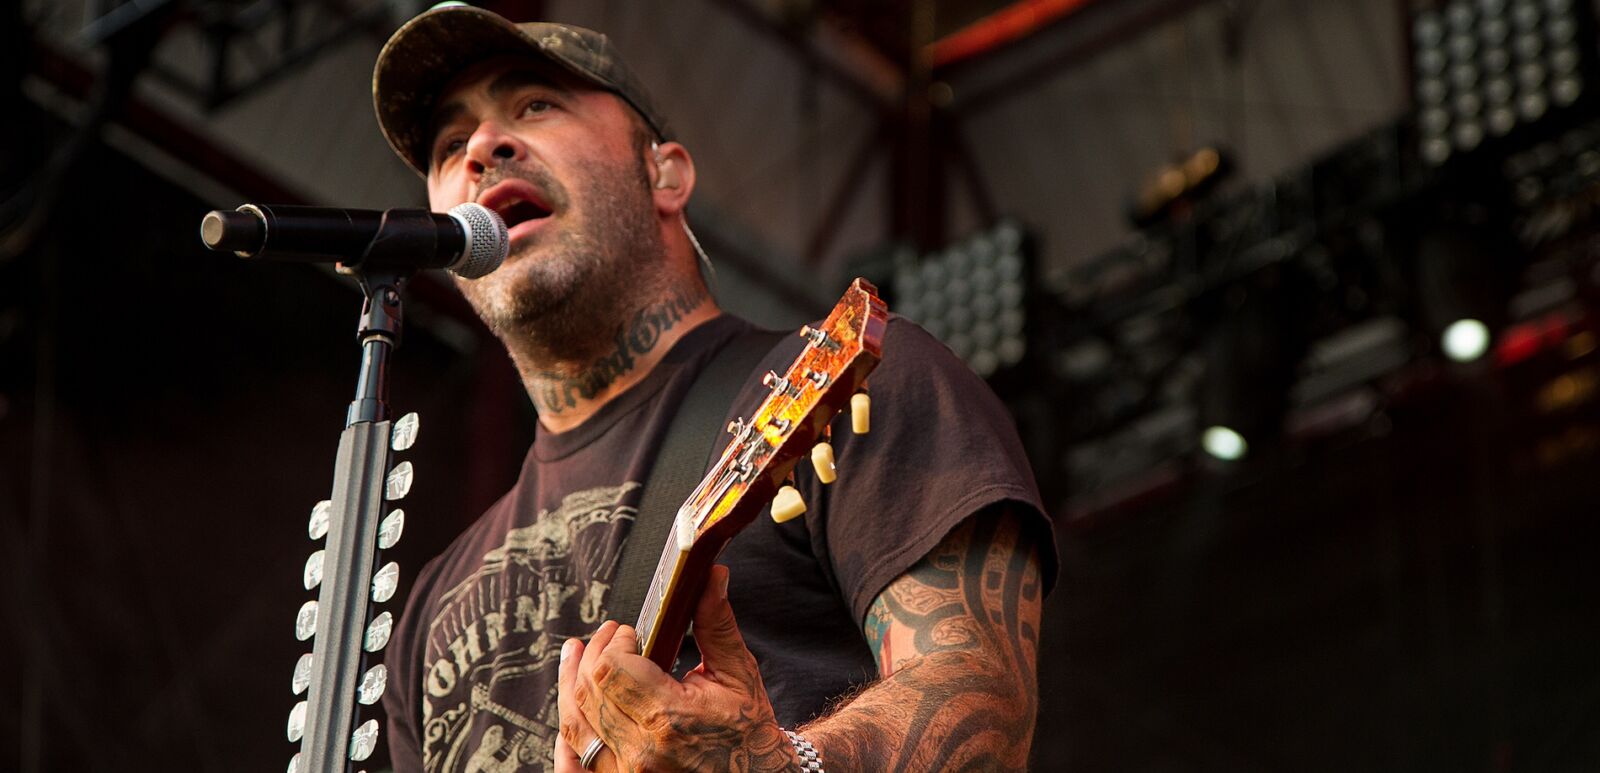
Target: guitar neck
{"points": [[680, 574], [669, 573]]}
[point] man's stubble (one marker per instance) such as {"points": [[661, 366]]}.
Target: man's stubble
{"points": [[562, 297]]}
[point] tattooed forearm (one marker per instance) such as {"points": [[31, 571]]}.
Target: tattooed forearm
{"points": [[957, 642], [556, 393]]}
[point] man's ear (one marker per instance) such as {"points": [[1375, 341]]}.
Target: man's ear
{"points": [[671, 177]]}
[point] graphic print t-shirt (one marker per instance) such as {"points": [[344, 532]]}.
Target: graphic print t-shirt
{"points": [[474, 658]]}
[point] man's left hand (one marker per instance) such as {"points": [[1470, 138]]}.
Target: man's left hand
{"points": [[718, 718]]}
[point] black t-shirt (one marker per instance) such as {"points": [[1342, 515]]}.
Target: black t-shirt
{"points": [[473, 659]]}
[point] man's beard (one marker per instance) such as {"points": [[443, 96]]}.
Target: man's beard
{"points": [[596, 267]]}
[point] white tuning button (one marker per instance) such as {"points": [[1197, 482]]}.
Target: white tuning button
{"points": [[822, 461], [787, 504], [860, 413]]}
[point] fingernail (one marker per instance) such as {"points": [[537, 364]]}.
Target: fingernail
{"points": [[566, 650], [722, 586]]}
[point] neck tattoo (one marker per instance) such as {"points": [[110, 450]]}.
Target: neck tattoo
{"points": [[557, 393]]}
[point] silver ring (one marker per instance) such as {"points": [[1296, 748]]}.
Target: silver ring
{"points": [[590, 752]]}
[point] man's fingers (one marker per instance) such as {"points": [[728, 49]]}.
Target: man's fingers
{"points": [[630, 682], [583, 681], [567, 681], [566, 758], [567, 672], [715, 631], [597, 644], [576, 733], [625, 640]]}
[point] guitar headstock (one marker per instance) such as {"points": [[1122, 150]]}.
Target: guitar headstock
{"points": [[828, 374]]}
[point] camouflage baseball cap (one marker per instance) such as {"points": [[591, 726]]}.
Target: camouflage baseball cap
{"points": [[423, 56]]}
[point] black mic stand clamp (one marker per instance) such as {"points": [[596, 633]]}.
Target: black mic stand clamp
{"points": [[346, 626], [379, 334]]}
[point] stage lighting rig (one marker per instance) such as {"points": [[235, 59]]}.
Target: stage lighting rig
{"points": [[1485, 68], [972, 295]]}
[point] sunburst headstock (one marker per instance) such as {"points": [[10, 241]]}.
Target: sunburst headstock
{"points": [[828, 375]]}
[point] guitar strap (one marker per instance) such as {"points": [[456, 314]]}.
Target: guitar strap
{"points": [[680, 464]]}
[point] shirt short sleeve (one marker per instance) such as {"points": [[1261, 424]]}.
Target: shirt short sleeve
{"points": [[941, 448]]}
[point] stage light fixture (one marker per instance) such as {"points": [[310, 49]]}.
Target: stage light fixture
{"points": [[972, 295], [1465, 340], [1483, 67], [1460, 288], [1224, 443]]}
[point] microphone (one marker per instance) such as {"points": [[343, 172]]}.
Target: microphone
{"points": [[470, 240]]}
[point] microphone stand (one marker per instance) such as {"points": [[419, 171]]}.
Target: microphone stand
{"points": [[359, 488]]}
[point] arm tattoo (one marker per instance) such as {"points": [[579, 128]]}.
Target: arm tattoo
{"points": [[956, 639], [558, 393]]}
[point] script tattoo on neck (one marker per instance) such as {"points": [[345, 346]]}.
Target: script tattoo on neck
{"points": [[557, 393], [957, 641]]}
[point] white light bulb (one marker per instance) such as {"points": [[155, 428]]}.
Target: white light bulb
{"points": [[1465, 340], [1224, 443]]}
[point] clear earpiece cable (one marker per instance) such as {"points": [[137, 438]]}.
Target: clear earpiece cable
{"points": [[710, 272]]}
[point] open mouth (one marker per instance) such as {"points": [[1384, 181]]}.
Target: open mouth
{"points": [[520, 212], [518, 202]]}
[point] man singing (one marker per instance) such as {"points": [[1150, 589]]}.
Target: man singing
{"points": [[893, 627]]}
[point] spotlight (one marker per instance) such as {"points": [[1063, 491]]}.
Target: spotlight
{"points": [[1465, 340], [1252, 353], [1224, 443], [1459, 287]]}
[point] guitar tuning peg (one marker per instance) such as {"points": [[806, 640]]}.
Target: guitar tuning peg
{"points": [[364, 740], [405, 432], [787, 505], [822, 461], [860, 413], [398, 482]]}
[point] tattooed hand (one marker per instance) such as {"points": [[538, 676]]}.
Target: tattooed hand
{"points": [[717, 719]]}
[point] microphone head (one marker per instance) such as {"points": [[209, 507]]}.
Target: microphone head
{"points": [[488, 242]]}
